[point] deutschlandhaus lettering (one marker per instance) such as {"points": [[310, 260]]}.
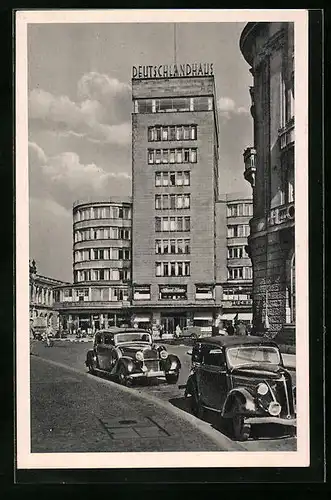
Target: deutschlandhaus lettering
{"points": [[172, 70]]}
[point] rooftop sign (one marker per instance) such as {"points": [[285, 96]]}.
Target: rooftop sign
{"points": [[172, 70]]}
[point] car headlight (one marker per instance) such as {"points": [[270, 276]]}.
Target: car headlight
{"points": [[163, 354], [262, 389], [274, 408], [139, 356]]}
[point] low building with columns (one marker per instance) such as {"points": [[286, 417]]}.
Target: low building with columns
{"points": [[42, 299]]}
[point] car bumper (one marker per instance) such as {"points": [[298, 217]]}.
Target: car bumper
{"points": [[147, 374], [271, 420]]}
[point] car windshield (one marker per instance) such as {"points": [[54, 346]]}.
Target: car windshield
{"points": [[252, 355], [133, 337]]}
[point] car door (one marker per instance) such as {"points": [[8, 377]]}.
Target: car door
{"points": [[212, 376]]}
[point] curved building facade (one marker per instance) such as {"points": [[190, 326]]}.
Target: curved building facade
{"points": [[269, 168], [100, 294]]}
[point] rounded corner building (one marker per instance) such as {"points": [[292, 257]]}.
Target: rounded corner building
{"points": [[268, 48], [100, 294]]}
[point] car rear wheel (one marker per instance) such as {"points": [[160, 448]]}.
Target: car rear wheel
{"points": [[241, 429], [172, 378], [196, 406], [123, 376]]}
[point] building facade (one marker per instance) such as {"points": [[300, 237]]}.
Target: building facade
{"points": [[175, 189], [234, 265], [42, 312], [269, 167], [100, 294]]}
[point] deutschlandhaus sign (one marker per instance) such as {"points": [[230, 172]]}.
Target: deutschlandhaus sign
{"points": [[172, 70]]}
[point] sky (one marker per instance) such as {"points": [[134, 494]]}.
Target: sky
{"points": [[79, 116]]}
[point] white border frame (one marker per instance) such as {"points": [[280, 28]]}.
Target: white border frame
{"points": [[28, 460]]}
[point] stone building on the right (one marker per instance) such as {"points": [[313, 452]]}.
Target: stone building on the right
{"points": [[269, 168]]}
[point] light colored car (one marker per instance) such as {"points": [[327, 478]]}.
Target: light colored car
{"points": [[195, 332]]}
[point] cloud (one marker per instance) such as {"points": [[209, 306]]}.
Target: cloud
{"points": [[227, 108], [100, 113], [63, 178]]}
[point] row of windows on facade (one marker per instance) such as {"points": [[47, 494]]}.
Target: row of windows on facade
{"points": [[103, 233], [174, 246], [172, 133], [102, 212], [239, 209], [172, 201], [240, 273], [103, 254], [111, 274], [172, 268], [238, 230], [173, 104], [165, 156], [112, 294], [179, 224], [172, 178]]}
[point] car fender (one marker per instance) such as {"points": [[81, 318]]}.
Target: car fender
{"points": [[244, 398], [172, 362], [191, 386], [125, 361], [90, 354]]}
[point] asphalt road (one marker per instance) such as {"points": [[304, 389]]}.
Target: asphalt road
{"points": [[89, 413]]}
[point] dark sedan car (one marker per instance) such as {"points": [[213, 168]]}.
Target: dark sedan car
{"points": [[128, 354], [244, 380]]}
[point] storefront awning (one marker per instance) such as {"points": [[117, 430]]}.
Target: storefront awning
{"points": [[245, 316], [228, 316], [203, 316]]}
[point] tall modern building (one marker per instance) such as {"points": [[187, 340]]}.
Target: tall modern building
{"points": [[269, 167], [234, 212], [175, 188], [100, 294]]}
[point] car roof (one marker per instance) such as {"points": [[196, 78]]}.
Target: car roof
{"points": [[236, 340], [114, 330]]}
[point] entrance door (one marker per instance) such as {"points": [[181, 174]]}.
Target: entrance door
{"points": [[170, 322]]}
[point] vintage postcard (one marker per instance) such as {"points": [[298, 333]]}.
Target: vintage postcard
{"points": [[162, 238]]}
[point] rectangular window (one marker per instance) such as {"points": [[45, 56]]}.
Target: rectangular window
{"points": [[193, 156], [180, 269], [165, 178], [179, 181], [172, 157], [158, 268], [193, 132], [179, 155], [172, 246], [186, 133], [186, 156], [172, 202], [165, 156], [186, 178], [158, 156], [186, 223], [186, 201], [158, 179], [165, 246], [158, 246], [172, 179], [179, 223], [203, 292], [158, 134], [158, 202], [164, 133], [142, 292], [173, 224], [157, 223], [150, 156], [187, 246], [172, 134], [165, 224]]}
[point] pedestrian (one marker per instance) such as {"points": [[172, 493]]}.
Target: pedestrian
{"points": [[178, 331], [161, 331], [230, 329], [240, 328]]}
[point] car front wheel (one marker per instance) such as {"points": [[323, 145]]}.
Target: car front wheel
{"points": [[123, 376], [241, 429], [172, 378]]}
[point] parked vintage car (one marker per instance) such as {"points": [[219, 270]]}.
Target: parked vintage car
{"points": [[195, 332], [243, 379], [129, 353]]}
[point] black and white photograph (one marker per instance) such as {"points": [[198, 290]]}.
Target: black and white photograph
{"points": [[162, 238]]}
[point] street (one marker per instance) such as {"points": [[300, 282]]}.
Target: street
{"points": [[74, 411]]}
